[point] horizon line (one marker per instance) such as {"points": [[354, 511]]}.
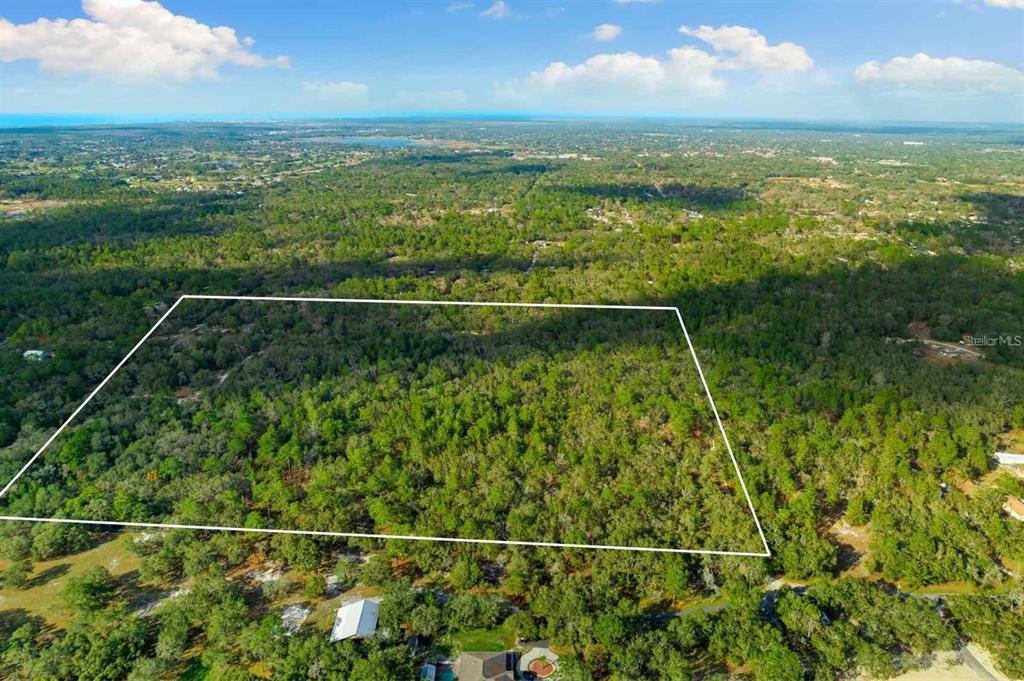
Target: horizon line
{"points": [[18, 120]]}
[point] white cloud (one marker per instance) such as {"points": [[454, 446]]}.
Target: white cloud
{"points": [[606, 32], [630, 79], [750, 49], [499, 10], [922, 70], [336, 90], [129, 40], [685, 70], [1006, 4], [458, 7]]}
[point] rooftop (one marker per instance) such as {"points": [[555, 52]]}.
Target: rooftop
{"points": [[355, 620], [1015, 507], [479, 666]]}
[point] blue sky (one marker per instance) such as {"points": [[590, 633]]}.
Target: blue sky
{"points": [[833, 60]]}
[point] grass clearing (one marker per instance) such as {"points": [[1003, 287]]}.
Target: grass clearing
{"points": [[48, 578], [484, 640]]}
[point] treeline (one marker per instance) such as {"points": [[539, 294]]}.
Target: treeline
{"points": [[230, 626]]}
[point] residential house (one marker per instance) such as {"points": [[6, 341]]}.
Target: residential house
{"points": [[1010, 459], [477, 666], [355, 620]]}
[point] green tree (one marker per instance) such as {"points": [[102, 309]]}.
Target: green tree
{"points": [[92, 590], [857, 510], [427, 619], [17, 573], [522, 625], [51, 540], [348, 571], [261, 640], [466, 573], [377, 570], [609, 630], [175, 632]]}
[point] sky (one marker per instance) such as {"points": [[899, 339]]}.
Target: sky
{"points": [[944, 60]]}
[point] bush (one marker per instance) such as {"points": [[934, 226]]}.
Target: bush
{"points": [[159, 567], [466, 573], [146, 668], [348, 570], [274, 589], [1018, 417], [315, 586], [377, 570], [16, 576], [858, 510]]}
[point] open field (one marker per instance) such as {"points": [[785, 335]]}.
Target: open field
{"points": [[41, 596]]}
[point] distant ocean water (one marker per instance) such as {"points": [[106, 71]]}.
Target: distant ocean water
{"points": [[63, 120], [10, 121], [60, 120]]}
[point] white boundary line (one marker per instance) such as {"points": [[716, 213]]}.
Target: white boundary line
{"points": [[323, 533], [319, 533], [89, 398]]}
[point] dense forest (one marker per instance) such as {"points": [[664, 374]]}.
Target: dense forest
{"points": [[496, 423], [856, 303]]}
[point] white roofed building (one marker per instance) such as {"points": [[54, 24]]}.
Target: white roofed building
{"points": [[1010, 459], [355, 620]]}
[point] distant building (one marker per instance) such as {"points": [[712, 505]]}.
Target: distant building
{"points": [[1015, 508], [35, 355], [1008, 459], [474, 666], [355, 620]]}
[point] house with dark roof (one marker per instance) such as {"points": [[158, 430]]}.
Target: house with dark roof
{"points": [[478, 666]]}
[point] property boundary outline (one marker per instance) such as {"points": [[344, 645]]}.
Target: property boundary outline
{"points": [[321, 533]]}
